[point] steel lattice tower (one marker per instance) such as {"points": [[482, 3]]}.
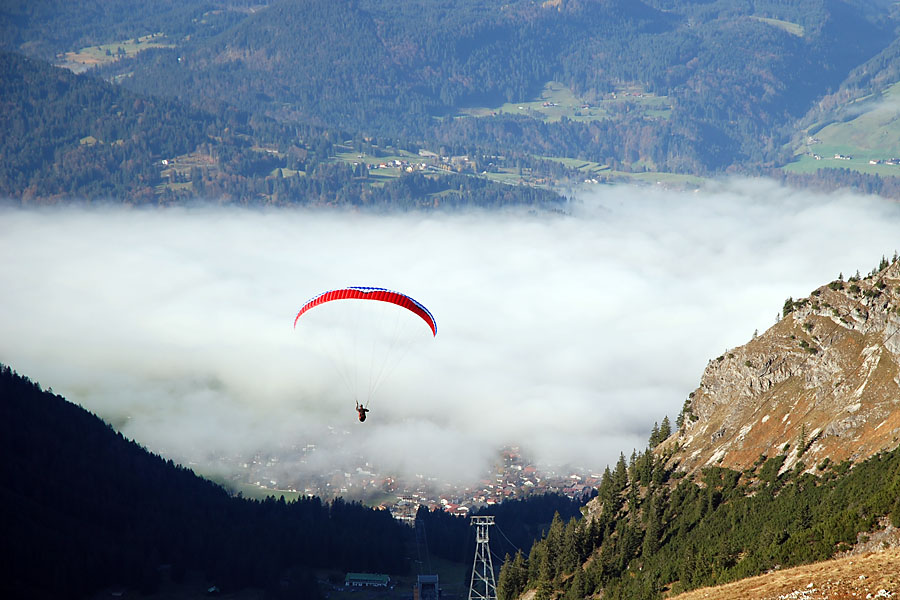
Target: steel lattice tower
{"points": [[482, 586]]}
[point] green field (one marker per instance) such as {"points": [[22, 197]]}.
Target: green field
{"points": [[377, 174], [255, 492], [92, 56], [660, 178], [859, 162], [872, 133], [594, 170], [557, 101], [792, 28], [507, 175], [590, 169]]}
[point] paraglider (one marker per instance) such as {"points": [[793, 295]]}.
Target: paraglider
{"points": [[379, 351], [372, 293]]}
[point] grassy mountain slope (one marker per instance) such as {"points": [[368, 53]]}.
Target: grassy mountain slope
{"points": [[872, 575], [651, 532]]}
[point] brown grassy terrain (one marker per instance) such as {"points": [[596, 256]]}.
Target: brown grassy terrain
{"points": [[868, 576]]}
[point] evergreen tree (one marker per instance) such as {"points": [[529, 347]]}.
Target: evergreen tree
{"points": [[665, 429], [620, 475], [568, 558], [536, 558], [654, 435], [554, 542], [576, 589], [507, 588], [653, 531]]}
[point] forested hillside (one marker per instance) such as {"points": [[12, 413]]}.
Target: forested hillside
{"points": [[76, 138], [735, 75], [654, 530], [693, 87], [85, 508], [46, 28], [786, 454]]}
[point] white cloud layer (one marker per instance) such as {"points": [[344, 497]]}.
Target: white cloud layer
{"points": [[569, 336]]}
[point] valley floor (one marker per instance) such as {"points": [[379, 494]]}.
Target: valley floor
{"points": [[867, 576]]}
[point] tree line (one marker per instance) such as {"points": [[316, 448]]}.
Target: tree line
{"points": [[86, 508], [657, 530]]}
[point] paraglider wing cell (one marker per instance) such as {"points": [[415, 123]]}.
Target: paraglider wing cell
{"points": [[372, 293]]}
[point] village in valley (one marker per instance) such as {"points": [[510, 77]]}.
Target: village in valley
{"points": [[512, 476]]}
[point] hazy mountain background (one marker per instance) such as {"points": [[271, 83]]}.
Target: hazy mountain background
{"points": [[300, 101]]}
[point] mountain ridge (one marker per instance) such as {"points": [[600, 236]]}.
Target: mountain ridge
{"points": [[787, 454], [822, 383]]}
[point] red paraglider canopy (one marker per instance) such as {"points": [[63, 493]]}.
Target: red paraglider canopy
{"points": [[372, 293]]}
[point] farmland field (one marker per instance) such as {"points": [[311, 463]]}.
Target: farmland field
{"points": [[792, 28], [93, 56], [871, 133], [557, 101]]}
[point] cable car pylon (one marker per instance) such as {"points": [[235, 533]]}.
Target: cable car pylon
{"points": [[482, 585]]}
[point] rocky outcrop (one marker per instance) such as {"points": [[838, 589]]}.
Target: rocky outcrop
{"points": [[823, 382]]}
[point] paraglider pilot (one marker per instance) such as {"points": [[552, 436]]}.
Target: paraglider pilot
{"points": [[362, 410]]}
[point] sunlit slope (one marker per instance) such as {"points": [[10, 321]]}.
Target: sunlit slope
{"points": [[821, 383], [869, 132], [872, 575]]}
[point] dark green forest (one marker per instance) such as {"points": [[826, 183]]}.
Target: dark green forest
{"points": [[263, 102], [84, 508]]}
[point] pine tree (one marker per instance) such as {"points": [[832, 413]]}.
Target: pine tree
{"points": [[568, 560], [536, 557], [508, 582], [576, 589], [653, 532], [665, 429], [620, 475], [654, 435], [550, 566], [520, 571]]}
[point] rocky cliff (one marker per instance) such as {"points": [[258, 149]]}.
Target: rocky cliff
{"points": [[822, 383]]}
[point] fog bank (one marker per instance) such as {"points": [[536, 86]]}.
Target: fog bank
{"points": [[567, 335]]}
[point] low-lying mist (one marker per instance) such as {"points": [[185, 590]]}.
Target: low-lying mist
{"points": [[567, 335]]}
